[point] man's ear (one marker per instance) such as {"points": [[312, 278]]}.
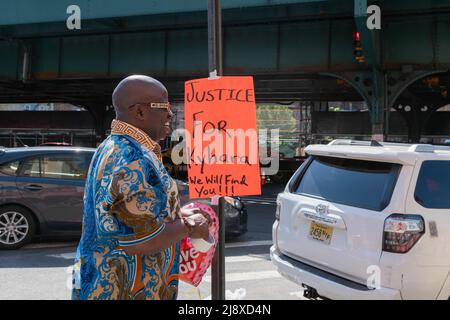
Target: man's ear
{"points": [[139, 112]]}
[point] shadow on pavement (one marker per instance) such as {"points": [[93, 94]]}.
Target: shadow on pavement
{"points": [[39, 255]]}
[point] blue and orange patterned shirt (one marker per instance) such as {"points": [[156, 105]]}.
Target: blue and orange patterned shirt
{"points": [[129, 197]]}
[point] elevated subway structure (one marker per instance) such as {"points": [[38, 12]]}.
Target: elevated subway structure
{"points": [[298, 51]]}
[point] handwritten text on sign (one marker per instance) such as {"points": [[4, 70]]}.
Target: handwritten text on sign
{"points": [[220, 115]]}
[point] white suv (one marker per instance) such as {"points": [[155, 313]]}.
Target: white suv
{"points": [[367, 221]]}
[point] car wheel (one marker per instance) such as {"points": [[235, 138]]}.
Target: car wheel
{"points": [[17, 227]]}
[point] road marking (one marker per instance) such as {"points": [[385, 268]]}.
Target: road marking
{"points": [[233, 259], [69, 244], [51, 245], [71, 255], [245, 276], [260, 201], [238, 294], [249, 244], [68, 256], [298, 294], [262, 257], [227, 245]]}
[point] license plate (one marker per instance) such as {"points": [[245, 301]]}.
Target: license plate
{"points": [[320, 232]]}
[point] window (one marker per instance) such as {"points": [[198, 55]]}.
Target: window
{"points": [[31, 168], [10, 168], [363, 184], [433, 185], [57, 166]]}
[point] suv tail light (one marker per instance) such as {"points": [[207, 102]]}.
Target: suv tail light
{"points": [[401, 232], [277, 211]]}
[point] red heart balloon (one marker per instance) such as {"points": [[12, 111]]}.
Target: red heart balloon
{"points": [[193, 263]]}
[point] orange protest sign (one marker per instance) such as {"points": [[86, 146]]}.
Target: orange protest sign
{"points": [[221, 137]]}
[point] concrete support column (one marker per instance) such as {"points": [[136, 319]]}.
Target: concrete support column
{"points": [[378, 105], [375, 86]]}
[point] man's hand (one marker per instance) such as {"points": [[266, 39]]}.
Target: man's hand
{"points": [[193, 211], [199, 219], [201, 227], [200, 231], [189, 212]]}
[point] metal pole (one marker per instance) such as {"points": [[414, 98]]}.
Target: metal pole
{"points": [[215, 37], [215, 65], [218, 263], [387, 107]]}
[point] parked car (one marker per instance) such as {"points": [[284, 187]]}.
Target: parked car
{"points": [[367, 221], [41, 194]]}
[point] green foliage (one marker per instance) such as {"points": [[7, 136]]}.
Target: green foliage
{"points": [[283, 118]]}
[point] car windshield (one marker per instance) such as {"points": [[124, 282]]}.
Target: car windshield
{"points": [[358, 183], [433, 185]]}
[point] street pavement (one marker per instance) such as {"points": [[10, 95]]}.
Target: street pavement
{"points": [[42, 271]]}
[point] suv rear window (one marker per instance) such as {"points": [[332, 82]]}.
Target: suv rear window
{"points": [[358, 183], [433, 185]]}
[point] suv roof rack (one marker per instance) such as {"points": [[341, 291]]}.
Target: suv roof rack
{"points": [[423, 148], [348, 142], [428, 148]]}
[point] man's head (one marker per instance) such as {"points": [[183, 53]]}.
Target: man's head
{"points": [[137, 100]]}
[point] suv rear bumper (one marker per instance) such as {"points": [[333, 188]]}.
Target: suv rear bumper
{"points": [[326, 284]]}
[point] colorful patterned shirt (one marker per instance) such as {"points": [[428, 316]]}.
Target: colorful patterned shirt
{"points": [[129, 197]]}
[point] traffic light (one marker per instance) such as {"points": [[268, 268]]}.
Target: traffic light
{"points": [[358, 50]]}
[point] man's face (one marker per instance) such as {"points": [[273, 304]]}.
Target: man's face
{"points": [[157, 122], [161, 121]]}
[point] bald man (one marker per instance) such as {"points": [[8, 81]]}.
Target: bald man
{"points": [[132, 221]]}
